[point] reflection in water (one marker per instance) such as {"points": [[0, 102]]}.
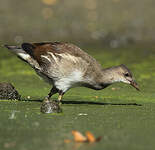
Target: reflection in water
{"points": [[12, 115]]}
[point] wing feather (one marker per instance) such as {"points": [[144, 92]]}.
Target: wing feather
{"points": [[64, 58]]}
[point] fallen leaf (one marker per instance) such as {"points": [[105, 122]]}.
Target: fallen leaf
{"points": [[78, 137], [90, 137]]}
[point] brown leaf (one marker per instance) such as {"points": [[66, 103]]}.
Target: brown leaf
{"points": [[78, 137], [90, 137]]}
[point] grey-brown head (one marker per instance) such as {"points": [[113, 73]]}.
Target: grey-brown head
{"points": [[120, 74]]}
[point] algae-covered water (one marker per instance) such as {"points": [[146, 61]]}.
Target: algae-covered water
{"points": [[124, 117]]}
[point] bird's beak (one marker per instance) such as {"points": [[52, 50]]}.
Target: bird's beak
{"points": [[135, 85]]}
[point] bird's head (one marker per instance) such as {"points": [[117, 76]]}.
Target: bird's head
{"points": [[123, 74], [118, 74]]}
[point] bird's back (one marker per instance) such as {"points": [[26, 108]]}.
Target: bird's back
{"points": [[61, 58]]}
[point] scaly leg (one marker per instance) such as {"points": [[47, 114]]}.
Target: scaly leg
{"points": [[60, 96], [50, 106], [53, 91]]}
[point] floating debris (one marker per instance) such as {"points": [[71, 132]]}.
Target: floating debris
{"points": [[96, 97], [82, 114], [28, 97], [80, 138]]}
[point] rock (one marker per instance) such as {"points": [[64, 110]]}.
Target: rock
{"points": [[8, 91], [50, 107]]}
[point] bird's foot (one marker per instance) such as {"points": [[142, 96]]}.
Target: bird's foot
{"points": [[50, 106], [46, 99], [59, 102]]}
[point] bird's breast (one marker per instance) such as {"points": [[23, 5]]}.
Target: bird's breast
{"points": [[74, 79]]}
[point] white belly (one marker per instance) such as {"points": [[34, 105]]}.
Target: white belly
{"points": [[73, 80]]}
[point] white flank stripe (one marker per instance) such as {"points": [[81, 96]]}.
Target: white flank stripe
{"points": [[73, 80], [69, 57], [53, 56], [46, 57]]}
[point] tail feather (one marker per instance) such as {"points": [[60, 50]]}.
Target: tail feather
{"points": [[18, 51], [23, 55], [12, 47], [28, 48]]}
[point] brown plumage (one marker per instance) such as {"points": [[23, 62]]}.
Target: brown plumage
{"points": [[65, 65]]}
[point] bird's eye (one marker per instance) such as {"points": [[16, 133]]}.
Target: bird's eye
{"points": [[126, 74]]}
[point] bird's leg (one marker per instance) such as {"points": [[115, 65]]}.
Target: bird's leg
{"points": [[50, 106], [60, 96], [52, 92]]}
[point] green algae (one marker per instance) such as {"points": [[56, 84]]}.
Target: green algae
{"points": [[121, 115]]}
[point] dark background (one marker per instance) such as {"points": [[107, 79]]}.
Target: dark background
{"points": [[111, 22]]}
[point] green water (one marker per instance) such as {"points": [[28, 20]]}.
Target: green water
{"points": [[121, 115]]}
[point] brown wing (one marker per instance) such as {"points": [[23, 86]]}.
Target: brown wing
{"points": [[67, 56], [36, 50]]}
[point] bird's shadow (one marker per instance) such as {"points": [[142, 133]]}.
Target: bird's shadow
{"points": [[98, 103], [88, 103]]}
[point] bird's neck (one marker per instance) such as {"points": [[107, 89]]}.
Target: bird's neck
{"points": [[102, 79], [109, 75]]}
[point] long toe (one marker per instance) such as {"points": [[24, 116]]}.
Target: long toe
{"points": [[50, 107]]}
